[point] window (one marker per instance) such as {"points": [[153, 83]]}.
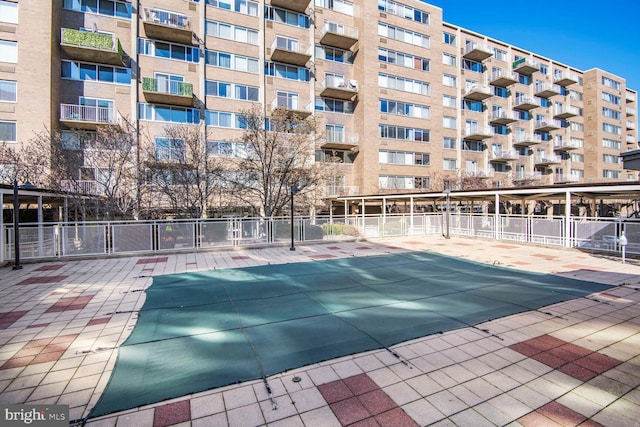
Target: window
{"points": [[404, 133], [607, 173], [577, 157], [403, 158], [286, 17], [448, 59], [115, 8], [231, 61], [101, 73], [334, 133], [611, 98], [469, 105], [404, 109], [472, 146], [169, 149], [501, 92], [499, 54], [173, 51], [610, 143], [576, 126], [289, 72], [470, 65], [241, 6], [612, 114], [449, 122], [8, 12], [226, 149], [335, 156], [334, 54], [231, 32], [575, 95], [231, 90], [341, 6], [8, 132], [8, 91], [449, 143], [577, 173], [400, 83], [333, 105], [403, 11], [610, 158], [610, 83], [543, 68], [449, 101], [449, 164], [403, 59], [400, 34], [224, 119], [166, 113], [449, 80], [8, 51], [403, 182], [609, 128], [448, 38]]}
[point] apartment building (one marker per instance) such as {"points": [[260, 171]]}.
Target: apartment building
{"points": [[404, 101]]}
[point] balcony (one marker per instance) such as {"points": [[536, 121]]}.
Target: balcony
{"points": [[478, 133], [503, 155], [630, 97], [526, 103], [479, 173], [631, 139], [565, 179], [86, 116], [566, 113], [92, 47], [563, 146], [339, 88], [504, 117], [290, 51], [292, 107], [547, 125], [477, 52], [164, 91], [340, 140], [477, 92], [502, 78], [630, 125], [546, 90], [631, 111], [295, 5], [565, 78], [338, 35], [171, 26], [341, 190], [527, 176], [527, 139], [525, 66], [93, 188], [546, 160]]}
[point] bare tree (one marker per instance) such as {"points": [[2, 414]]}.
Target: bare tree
{"points": [[278, 157], [182, 172]]}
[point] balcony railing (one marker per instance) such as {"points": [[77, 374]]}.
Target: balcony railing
{"points": [[340, 88], [479, 173], [292, 106], [631, 124], [504, 117], [87, 117], [631, 139], [478, 133], [630, 97], [631, 111], [477, 92], [167, 91], [338, 35], [341, 190], [547, 125], [503, 78], [559, 178], [527, 139], [95, 47], [93, 188], [527, 176], [565, 78], [525, 66], [477, 51], [165, 25], [546, 90], [566, 112], [526, 103], [566, 145], [290, 51], [503, 155], [340, 140], [547, 160]]}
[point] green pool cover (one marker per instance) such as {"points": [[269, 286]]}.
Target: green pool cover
{"points": [[198, 331]]}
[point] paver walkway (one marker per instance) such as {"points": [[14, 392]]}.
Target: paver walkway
{"points": [[572, 363]]}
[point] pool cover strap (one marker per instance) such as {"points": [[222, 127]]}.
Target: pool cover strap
{"points": [[198, 331]]}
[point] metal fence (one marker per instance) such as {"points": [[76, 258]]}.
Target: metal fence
{"points": [[62, 240]]}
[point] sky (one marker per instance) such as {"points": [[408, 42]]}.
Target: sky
{"points": [[583, 34]]}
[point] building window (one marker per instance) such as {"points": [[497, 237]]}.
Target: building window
{"points": [[289, 72], [449, 143], [91, 72], [231, 90], [226, 149], [341, 6], [118, 9], [166, 113], [543, 69], [449, 164], [610, 113], [403, 158], [333, 105], [405, 133], [400, 34], [470, 65], [335, 156], [8, 51], [476, 106], [499, 54], [231, 32], [8, 12], [400, 83], [8, 132], [449, 101], [610, 143], [8, 91], [404, 109], [608, 173], [448, 38], [576, 126], [403, 11], [335, 54], [611, 98], [403, 59], [166, 50], [448, 59], [609, 128], [577, 157], [240, 6], [169, 149], [610, 83], [224, 119], [231, 61], [449, 122], [449, 80], [403, 182], [610, 158], [286, 17]]}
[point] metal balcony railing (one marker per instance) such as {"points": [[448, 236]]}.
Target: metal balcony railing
{"points": [[168, 87], [86, 113], [170, 19]]}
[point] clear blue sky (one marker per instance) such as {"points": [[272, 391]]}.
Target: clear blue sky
{"points": [[583, 34]]}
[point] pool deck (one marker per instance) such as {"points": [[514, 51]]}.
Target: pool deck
{"points": [[571, 363]]}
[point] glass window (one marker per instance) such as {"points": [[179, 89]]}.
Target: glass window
{"points": [[8, 51], [8, 12], [8, 91], [8, 132]]}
